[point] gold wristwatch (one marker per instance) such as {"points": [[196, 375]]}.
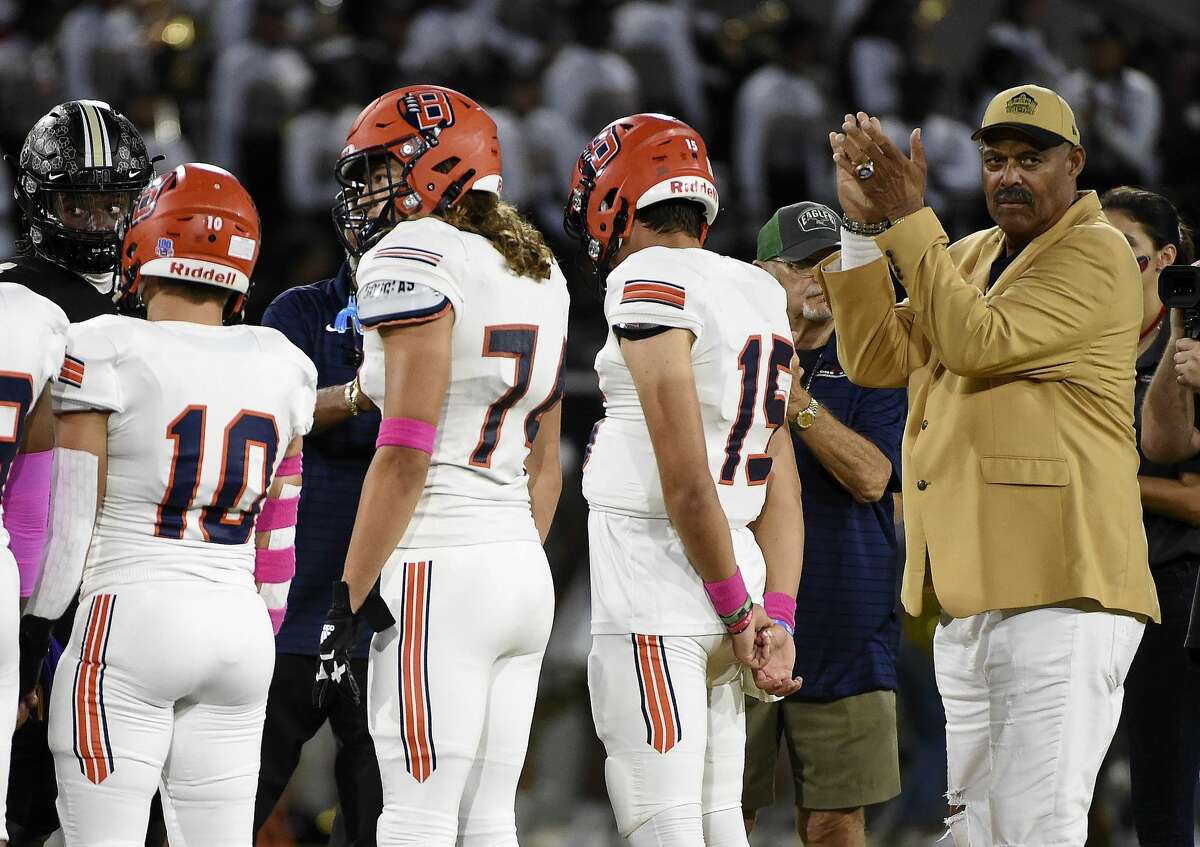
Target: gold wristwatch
{"points": [[351, 396], [807, 416]]}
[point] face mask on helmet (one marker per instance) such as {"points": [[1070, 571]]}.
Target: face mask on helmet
{"points": [[374, 182], [594, 260], [91, 212]]}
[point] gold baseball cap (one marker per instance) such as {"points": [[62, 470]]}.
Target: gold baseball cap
{"points": [[1035, 112]]}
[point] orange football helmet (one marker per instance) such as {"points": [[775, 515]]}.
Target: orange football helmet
{"points": [[633, 163], [194, 224], [415, 148]]}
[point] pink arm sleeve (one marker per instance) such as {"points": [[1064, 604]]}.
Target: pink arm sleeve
{"points": [[27, 513]]}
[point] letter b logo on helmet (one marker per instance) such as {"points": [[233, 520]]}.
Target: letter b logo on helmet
{"points": [[428, 109], [603, 148]]}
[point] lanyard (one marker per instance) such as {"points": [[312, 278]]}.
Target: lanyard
{"points": [[813, 373]]}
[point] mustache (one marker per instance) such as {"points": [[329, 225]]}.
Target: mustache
{"points": [[1015, 194]]}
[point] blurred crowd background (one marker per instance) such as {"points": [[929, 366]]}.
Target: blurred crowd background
{"points": [[268, 89]]}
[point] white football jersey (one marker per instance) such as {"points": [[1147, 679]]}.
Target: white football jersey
{"points": [[741, 359], [201, 417], [742, 363], [33, 336], [508, 343]]}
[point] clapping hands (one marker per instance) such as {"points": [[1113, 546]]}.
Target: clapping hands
{"points": [[875, 180]]}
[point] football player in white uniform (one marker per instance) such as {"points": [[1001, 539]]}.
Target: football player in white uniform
{"points": [[33, 337], [692, 487], [176, 439], [466, 314]]}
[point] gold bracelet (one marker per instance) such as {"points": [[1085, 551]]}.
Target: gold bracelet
{"points": [[350, 393]]}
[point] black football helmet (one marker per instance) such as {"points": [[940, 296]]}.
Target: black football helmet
{"points": [[80, 170]]}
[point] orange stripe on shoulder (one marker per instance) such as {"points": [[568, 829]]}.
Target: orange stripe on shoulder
{"points": [[654, 291]]}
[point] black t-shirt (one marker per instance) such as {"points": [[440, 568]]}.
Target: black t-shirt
{"points": [[999, 267], [1169, 539], [70, 292]]}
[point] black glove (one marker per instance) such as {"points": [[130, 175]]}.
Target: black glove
{"points": [[339, 636], [34, 640]]}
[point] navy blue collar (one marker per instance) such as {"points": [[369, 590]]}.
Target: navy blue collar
{"points": [[341, 282], [829, 351]]}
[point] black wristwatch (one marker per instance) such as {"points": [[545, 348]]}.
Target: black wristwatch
{"points": [[870, 230]]}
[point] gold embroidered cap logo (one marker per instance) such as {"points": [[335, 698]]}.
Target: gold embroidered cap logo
{"points": [[1021, 103]]}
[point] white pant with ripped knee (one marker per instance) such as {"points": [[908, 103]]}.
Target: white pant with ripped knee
{"points": [[1032, 700]]}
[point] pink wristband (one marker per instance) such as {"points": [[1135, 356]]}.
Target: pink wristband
{"points": [[728, 595], [276, 616], [27, 513], [277, 513], [780, 606], [291, 466], [274, 565], [406, 432]]}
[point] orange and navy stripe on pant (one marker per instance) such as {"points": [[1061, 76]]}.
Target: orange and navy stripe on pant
{"points": [[663, 730], [416, 716], [90, 722]]}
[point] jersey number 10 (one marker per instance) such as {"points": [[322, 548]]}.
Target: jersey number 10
{"points": [[187, 431]]}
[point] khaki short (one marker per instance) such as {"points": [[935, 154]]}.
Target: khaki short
{"points": [[844, 753]]}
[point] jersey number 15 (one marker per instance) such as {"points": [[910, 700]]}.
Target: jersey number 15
{"points": [[774, 404]]}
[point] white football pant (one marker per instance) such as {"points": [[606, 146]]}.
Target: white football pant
{"points": [[672, 715], [452, 689], [10, 612], [162, 682]]}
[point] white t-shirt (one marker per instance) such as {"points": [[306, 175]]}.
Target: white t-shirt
{"points": [[201, 417], [508, 343], [741, 359], [33, 337]]}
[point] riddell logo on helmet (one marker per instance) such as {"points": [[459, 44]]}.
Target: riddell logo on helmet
{"points": [[183, 269], [693, 186]]}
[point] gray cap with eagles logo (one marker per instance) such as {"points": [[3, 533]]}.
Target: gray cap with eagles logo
{"points": [[796, 232]]}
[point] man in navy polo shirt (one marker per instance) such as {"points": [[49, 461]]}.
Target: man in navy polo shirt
{"points": [[840, 728], [337, 454]]}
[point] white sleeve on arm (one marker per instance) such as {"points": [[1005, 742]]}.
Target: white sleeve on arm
{"points": [[304, 399], [74, 488], [88, 381], [651, 291], [411, 276], [275, 594], [858, 250]]}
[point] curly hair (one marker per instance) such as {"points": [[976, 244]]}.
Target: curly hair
{"points": [[520, 243]]}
